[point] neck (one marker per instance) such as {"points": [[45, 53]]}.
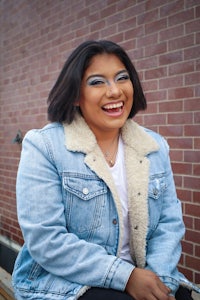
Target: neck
{"points": [[109, 147], [108, 139]]}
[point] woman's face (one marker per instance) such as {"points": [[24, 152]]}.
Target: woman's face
{"points": [[106, 94]]}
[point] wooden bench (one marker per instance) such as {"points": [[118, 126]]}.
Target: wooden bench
{"points": [[6, 289]]}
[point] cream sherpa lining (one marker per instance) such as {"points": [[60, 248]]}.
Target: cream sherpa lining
{"points": [[137, 144]]}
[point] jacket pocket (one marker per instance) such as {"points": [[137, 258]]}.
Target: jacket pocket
{"points": [[157, 186], [85, 197]]}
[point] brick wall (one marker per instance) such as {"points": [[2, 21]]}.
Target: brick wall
{"points": [[162, 38]]}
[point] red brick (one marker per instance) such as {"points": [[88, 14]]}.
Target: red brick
{"points": [[191, 53], [155, 26], [125, 24], [171, 8], [180, 143], [180, 118], [149, 5], [150, 85], [109, 10], [176, 155], [171, 130], [188, 273], [178, 180], [155, 49], [180, 93], [197, 224], [197, 118], [152, 108], [171, 32], [171, 58], [184, 194], [171, 82], [155, 119], [193, 78], [155, 73], [182, 68], [156, 96], [148, 16], [134, 33], [188, 221], [191, 26], [170, 106], [147, 63], [192, 105], [133, 10], [181, 17], [196, 277], [196, 196], [187, 247], [182, 168], [192, 236], [196, 169], [182, 42], [193, 262], [193, 210], [192, 182], [191, 130], [147, 40]]}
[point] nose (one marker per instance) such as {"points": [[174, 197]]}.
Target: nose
{"points": [[113, 90]]}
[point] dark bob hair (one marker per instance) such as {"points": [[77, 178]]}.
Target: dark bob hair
{"points": [[66, 91]]}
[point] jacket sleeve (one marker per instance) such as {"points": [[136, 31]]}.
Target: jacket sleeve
{"points": [[164, 244], [42, 219]]}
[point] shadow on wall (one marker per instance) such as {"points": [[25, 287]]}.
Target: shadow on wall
{"points": [[7, 258]]}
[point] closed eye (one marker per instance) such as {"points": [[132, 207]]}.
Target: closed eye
{"points": [[122, 76], [96, 81]]}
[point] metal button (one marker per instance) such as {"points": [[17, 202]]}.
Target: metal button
{"points": [[155, 192], [85, 191], [114, 221]]}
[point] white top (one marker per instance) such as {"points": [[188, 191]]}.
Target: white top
{"points": [[119, 176]]}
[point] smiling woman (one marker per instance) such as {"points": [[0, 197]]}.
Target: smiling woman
{"points": [[106, 97], [96, 198]]}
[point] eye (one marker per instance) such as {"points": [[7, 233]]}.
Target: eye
{"points": [[95, 81], [122, 76]]}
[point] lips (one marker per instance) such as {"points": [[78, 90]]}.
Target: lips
{"points": [[113, 107]]}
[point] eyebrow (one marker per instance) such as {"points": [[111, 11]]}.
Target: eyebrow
{"points": [[100, 75]]}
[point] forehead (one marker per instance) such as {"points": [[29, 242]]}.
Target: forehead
{"points": [[103, 64]]}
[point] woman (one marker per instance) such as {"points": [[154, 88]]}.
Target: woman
{"points": [[95, 193]]}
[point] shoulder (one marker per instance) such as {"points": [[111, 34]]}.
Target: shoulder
{"points": [[48, 130], [162, 142], [44, 138]]}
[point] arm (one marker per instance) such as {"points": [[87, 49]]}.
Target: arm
{"points": [[163, 251], [164, 247], [42, 220]]}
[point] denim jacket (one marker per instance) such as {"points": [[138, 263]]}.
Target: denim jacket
{"points": [[71, 216]]}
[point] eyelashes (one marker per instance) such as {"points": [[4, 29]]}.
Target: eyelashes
{"points": [[100, 80], [122, 76], [96, 81]]}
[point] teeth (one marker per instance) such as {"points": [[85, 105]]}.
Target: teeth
{"points": [[114, 105]]}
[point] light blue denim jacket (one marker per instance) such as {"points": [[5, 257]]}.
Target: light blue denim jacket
{"points": [[71, 216]]}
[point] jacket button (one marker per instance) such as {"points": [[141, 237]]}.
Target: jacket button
{"points": [[155, 192], [114, 221], [85, 191]]}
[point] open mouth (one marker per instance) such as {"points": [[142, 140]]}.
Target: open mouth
{"points": [[113, 107]]}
